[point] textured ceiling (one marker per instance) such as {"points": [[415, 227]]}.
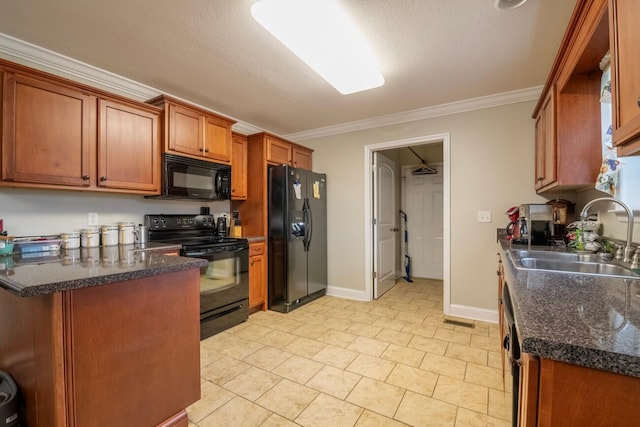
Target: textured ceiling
{"points": [[211, 52]]}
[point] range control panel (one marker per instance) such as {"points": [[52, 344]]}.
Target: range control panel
{"points": [[179, 222]]}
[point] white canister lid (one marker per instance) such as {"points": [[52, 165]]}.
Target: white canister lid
{"points": [[126, 224], [90, 230], [70, 235], [108, 227]]}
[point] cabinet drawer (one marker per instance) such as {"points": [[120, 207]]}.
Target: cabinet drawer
{"points": [[256, 249]]}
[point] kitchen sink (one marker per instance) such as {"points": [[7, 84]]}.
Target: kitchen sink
{"points": [[570, 263], [576, 267], [560, 256]]}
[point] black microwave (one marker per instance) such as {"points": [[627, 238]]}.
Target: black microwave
{"points": [[187, 178]]}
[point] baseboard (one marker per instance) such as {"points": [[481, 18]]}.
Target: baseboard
{"points": [[474, 313], [336, 291]]}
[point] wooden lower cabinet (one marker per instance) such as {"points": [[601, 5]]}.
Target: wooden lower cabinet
{"points": [[125, 353], [257, 277], [555, 393]]}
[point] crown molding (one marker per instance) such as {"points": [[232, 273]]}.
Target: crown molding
{"points": [[504, 98], [30, 55], [33, 56]]}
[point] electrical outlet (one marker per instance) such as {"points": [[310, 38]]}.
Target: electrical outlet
{"points": [[484, 216], [92, 219]]}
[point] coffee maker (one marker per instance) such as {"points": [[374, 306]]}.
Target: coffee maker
{"points": [[539, 228]]}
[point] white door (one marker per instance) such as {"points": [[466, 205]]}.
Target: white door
{"points": [[423, 203], [385, 229]]}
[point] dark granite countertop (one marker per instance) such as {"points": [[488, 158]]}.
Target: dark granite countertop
{"points": [[47, 272], [584, 320]]}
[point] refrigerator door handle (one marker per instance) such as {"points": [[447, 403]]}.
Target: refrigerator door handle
{"points": [[309, 223], [306, 215]]}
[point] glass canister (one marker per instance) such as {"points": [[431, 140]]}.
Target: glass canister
{"points": [[125, 233], [109, 235], [90, 237], [70, 240]]}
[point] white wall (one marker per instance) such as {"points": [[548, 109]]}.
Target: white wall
{"points": [[28, 212], [492, 168]]}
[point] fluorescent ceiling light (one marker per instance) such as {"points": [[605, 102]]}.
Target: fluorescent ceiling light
{"points": [[321, 34], [508, 4]]}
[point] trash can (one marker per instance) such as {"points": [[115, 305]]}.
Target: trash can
{"points": [[9, 406]]}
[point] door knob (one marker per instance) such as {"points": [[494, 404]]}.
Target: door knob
{"points": [[394, 229]]}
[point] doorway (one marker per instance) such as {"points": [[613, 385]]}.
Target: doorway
{"points": [[422, 203], [370, 208]]}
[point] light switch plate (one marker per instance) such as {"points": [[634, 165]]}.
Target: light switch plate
{"points": [[484, 216], [92, 219]]}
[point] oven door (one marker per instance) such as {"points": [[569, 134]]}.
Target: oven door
{"points": [[224, 287]]}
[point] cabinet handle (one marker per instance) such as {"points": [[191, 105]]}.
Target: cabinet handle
{"points": [[103, 178], [539, 179], [638, 101], [201, 149], [85, 177], [206, 150]]}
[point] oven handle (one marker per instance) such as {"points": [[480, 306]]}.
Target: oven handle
{"points": [[225, 250]]}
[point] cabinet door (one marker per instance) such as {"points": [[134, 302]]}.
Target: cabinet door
{"points": [[239, 167], [217, 139], [546, 159], [257, 277], [46, 132], [128, 147], [528, 400], [186, 132], [278, 152], [625, 80], [302, 158]]}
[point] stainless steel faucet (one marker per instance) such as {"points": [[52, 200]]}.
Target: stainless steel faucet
{"points": [[628, 250]]}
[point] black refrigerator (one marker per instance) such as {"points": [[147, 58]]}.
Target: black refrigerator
{"points": [[297, 237]]}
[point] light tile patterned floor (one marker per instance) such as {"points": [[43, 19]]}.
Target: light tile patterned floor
{"points": [[336, 362]]}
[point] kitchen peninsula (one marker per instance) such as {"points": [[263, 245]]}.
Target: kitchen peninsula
{"points": [[99, 343]]}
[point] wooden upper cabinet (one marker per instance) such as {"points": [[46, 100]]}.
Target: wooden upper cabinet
{"points": [[238, 167], [568, 113], [217, 139], [185, 131], [46, 132], [57, 133], [128, 147], [278, 152], [195, 132], [546, 161], [302, 158], [625, 79]]}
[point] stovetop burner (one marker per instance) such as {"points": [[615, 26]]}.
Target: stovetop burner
{"points": [[190, 231]]}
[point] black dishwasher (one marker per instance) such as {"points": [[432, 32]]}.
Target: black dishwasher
{"points": [[511, 343]]}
